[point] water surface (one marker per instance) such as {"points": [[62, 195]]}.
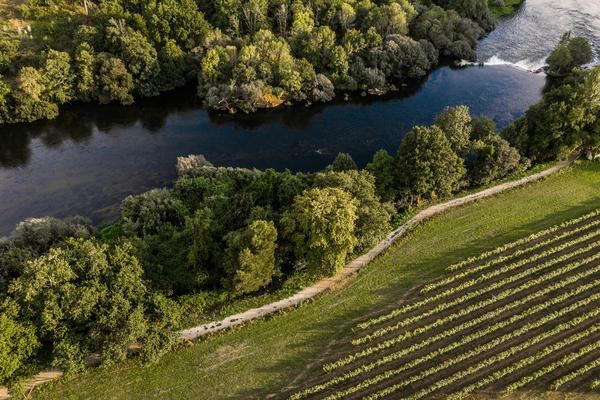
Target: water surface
{"points": [[91, 157]]}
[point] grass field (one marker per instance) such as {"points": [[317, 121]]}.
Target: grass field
{"points": [[525, 315], [285, 354]]}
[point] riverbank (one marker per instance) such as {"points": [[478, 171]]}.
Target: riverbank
{"points": [[506, 8], [249, 363]]}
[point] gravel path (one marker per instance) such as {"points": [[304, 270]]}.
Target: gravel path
{"points": [[325, 284]]}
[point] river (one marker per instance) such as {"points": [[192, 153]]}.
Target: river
{"points": [[87, 160]]}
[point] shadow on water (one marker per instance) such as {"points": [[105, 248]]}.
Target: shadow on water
{"points": [[91, 157]]}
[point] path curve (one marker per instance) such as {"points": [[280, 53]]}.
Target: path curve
{"points": [[328, 283], [360, 262]]}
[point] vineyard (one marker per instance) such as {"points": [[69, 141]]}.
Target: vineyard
{"points": [[524, 316]]}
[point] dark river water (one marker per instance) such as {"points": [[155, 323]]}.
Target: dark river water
{"points": [[91, 157]]}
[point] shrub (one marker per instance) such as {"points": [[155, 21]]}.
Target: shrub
{"points": [[148, 213], [18, 341]]}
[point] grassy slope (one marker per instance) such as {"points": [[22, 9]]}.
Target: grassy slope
{"points": [[268, 356]]}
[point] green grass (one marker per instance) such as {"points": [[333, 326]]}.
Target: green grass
{"points": [[509, 7], [269, 356]]}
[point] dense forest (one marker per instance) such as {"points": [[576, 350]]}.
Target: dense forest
{"points": [[244, 54]]}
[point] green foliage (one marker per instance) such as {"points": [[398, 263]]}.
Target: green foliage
{"points": [[566, 118], [148, 213], [493, 158], [482, 126], [40, 234], [12, 261], [426, 165], [86, 297], [246, 54], [568, 54], [321, 224], [18, 341], [373, 217], [113, 81], [453, 35], [456, 123], [250, 257], [57, 78], [382, 168], [343, 162]]}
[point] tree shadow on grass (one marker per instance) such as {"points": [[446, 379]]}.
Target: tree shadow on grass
{"points": [[305, 366]]}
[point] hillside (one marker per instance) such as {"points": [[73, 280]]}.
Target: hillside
{"points": [[278, 355]]}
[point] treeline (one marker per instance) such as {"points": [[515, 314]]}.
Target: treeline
{"points": [[245, 54], [67, 291], [221, 234]]}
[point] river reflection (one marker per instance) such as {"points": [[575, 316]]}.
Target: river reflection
{"points": [[91, 157]]}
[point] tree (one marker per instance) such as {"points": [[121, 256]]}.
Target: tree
{"points": [[477, 10], [568, 54], [57, 77], [40, 234], [581, 51], [426, 165], [560, 60], [12, 260], [86, 298], [18, 341], [392, 18], [177, 21], [373, 216], [343, 162], [85, 61], [113, 81], [492, 158], [482, 126], [563, 119], [456, 123], [30, 83], [173, 66], [139, 56], [250, 257], [321, 225], [382, 168]]}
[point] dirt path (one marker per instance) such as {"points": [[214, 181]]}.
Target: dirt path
{"points": [[347, 273], [360, 262]]}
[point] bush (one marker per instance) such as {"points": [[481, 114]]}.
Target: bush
{"points": [[150, 212], [18, 341], [321, 225]]}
